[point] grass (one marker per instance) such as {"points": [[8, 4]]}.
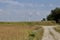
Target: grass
{"points": [[57, 29], [32, 23], [36, 34], [13, 32], [39, 34], [18, 32]]}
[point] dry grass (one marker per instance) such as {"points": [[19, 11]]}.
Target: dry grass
{"points": [[57, 28], [21, 30], [17, 32], [39, 34], [13, 32], [36, 34]]}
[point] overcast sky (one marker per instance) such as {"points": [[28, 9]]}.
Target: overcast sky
{"points": [[26, 10]]}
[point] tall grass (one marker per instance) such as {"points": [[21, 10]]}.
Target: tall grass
{"points": [[57, 29], [36, 34]]}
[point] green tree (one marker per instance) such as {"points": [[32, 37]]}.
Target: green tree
{"points": [[54, 15], [43, 19]]}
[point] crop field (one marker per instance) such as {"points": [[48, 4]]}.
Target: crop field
{"points": [[13, 32], [22, 30], [16, 31]]}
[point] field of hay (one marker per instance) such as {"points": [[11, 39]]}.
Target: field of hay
{"points": [[21, 30], [13, 32]]}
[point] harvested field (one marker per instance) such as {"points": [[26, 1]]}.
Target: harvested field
{"points": [[25, 30], [13, 32]]}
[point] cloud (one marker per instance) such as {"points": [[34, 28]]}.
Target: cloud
{"points": [[1, 10], [51, 5], [16, 11], [42, 5], [12, 2], [6, 0], [21, 15]]}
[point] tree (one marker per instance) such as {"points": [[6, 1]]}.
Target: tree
{"points": [[43, 19], [54, 15]]}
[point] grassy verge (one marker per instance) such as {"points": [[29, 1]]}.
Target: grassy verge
{"points": [[36, 34], [53, 35], [57, 29]]}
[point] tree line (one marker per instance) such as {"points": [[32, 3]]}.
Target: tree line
{"points": [[54, 15]]}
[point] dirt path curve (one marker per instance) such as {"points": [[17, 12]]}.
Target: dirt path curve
{"points": [[47, 35], [55, 34]]}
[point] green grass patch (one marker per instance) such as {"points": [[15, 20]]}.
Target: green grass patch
{"points": [[31, 23]]}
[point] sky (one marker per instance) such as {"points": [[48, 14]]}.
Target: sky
{"points": [[26, 10]]}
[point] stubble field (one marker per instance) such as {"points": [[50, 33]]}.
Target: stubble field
{"points": [[13, 32], [22, 31]]}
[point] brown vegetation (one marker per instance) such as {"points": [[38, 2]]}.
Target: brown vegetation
{"points": [[13, 32]]}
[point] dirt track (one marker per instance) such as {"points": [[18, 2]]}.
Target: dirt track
{"points": [[50, 33]]}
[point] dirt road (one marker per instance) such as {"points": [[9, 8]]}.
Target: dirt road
{"points": [[50, 33]]}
